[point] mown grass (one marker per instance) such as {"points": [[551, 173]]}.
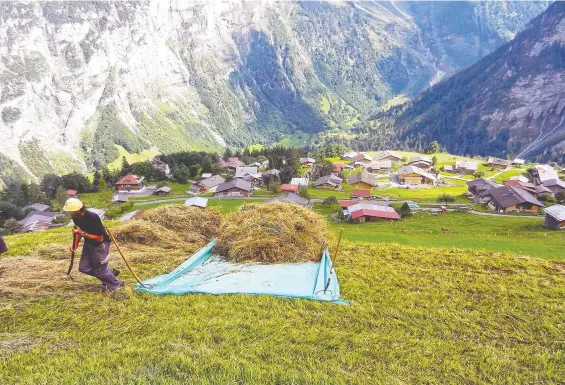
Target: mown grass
{"points": [[416, 315], [523, 236], [506, 175], [426, 195]]}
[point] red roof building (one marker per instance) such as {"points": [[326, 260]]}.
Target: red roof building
{"points": [[289, 187], [130, 182], [369, 212]]}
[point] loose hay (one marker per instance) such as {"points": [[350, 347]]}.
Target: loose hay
{"points": [[146, 233], [272, 233], [188, 221]]}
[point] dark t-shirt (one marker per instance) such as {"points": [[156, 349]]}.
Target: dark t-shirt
{"points": [[90, 223], [3, 247]]}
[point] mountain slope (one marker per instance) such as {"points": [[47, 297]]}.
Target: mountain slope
{"points": [[80, 77], [510, 102]]}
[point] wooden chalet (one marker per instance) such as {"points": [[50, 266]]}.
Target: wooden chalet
{"points": [[234, 188], [330, 182], [130, 183], [499, 164], [412, 175], [510, 198], [555, 217], [363, 180]]}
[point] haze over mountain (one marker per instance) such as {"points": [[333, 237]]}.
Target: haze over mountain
{"points": [[510, 102], [79, 77]]}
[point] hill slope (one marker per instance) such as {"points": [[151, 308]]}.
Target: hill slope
{"points": [[78, 77], [510, 102]]}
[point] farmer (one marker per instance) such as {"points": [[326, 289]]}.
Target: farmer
{"points": [[95, 251], [3, 247]]}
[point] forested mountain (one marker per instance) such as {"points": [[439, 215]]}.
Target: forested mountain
{"points": [[78, 77], [510, 102]]}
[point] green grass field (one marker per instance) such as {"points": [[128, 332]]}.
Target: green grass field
{"points": [[522, 236], [425, 195], [506, 175], [132, 158], [417, 314]]}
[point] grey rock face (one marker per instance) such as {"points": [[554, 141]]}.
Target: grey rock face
{"points": [[179, 75]]}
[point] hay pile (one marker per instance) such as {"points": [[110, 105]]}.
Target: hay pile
{"points": [[186, 220], [273, 233], [170, 227]]}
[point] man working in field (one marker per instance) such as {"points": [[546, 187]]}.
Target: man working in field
{"points": [[95, 251]]}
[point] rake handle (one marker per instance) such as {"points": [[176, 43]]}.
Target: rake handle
{"points": [[124, 258]]}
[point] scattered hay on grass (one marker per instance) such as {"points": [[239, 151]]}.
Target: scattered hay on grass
{"points": [[272, 233], [38, 277], [53, 251], [186, 220]]}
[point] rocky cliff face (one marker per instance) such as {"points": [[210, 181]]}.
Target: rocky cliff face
{"points": [[77, 78], [511, 102]]}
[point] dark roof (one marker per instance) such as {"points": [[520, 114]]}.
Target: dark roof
{"points": [[501, 162], [37, 207], [421, 159], [291, 198], [482, 184], [270, 172], [234, 183], [33, 216], [506, 196], [362, 177], [213, 181], [329, 179]]}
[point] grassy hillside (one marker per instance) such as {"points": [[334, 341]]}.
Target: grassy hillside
{"points": [[416, 315]]}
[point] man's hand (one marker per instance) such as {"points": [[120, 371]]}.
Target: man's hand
{"points": [[72, 250], [78, 231]]}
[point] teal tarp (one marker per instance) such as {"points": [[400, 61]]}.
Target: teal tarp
{"points": [[206, 272]]}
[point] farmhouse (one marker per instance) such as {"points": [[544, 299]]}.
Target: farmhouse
{"points": [[388, 155], [307, 162], [379, 166], [466, 167], [413, 175], [197, 202], [362, 180], [499, 164], [338, 167], [554, 185], [242, 172], [271, 173], [234, 188], [480, 188], [232, 163], [349, 155], [529, 187], [159, 165], [37, 220], [300, 181], [555, 217], [130, 183], [543, 173], [163, 191], [331, 182], [37, 207], [368, 212], [361, 159], [207, 185], [421, 162], [510, 198]]}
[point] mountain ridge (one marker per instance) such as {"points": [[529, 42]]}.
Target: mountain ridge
{"points": [[80, 77]]}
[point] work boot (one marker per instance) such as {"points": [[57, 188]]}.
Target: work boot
{"points": [[116, 272]]}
